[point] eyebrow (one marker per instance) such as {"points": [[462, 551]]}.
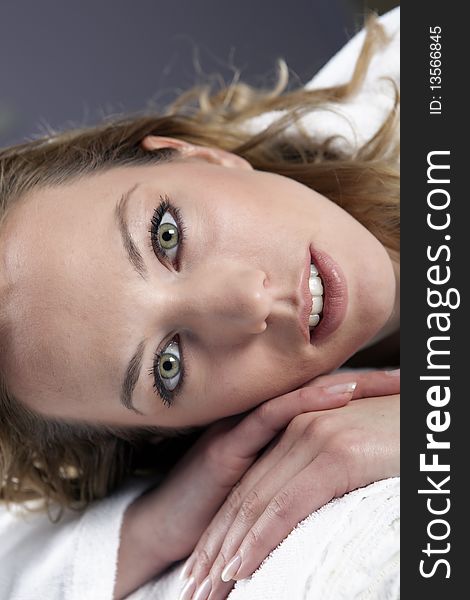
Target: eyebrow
{"points": [[131, 378], [134, 367], [132, 251]]}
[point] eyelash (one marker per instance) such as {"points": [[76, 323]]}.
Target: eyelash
{"points": [[166, 206]]}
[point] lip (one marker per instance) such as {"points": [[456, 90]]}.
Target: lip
{"points": [[306, 299], [335, 296]]}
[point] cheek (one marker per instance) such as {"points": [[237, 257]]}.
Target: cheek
{"points": [[255, 375]]}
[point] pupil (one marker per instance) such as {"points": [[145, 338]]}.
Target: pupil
{"points": [[167, 365], [167, 236]]}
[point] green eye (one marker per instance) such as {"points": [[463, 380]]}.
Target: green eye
{"points": [[168, 235], [167, 232], [169, 366]]}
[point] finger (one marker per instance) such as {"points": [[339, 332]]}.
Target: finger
{"points": [[377, 383], [251, 431], [209, 544], [241, 511], [369, 383], [313, 487], [256, 502]]}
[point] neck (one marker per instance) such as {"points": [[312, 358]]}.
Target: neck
{"points": [[390, 331], [384, 346]]}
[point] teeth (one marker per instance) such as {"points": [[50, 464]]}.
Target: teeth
{"points": [[313, 320], [316, 289], [317, 305]]}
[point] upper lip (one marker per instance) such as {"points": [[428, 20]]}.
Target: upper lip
{"points": [[305, 298]]}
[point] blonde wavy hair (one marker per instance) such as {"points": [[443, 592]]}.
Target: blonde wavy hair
{"points": [[72, 464]]}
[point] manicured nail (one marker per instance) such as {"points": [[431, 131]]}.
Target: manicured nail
{"points": [[394, 373], [186, 570], [188, 589], [204, 589], [232, 568], [342, 388]]}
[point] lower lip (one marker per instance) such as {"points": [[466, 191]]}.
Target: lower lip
{"points": [[335, 296]]}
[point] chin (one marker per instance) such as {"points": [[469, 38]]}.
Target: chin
{"points": [[375, 307], [355, 339], [375, 331]]}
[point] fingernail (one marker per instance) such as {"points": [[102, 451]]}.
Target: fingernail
{"points": [[204, 589], [186, 570], [342, 388], [233, 566], [188, 589], [393, 373]]}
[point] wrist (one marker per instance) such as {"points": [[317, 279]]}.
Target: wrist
{"points": [[141, 555]]}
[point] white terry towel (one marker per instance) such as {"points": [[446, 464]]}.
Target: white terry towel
{"points": [[73, 560], [348, 549], [359, 118]]}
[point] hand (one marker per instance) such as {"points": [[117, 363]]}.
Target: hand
{"points": [[163, 525], [321, 455], [178, 511]]}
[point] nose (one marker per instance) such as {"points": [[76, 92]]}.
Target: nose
{"points": [[223, 302]]}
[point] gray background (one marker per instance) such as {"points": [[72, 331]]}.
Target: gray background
{"points": [[65, 62]]}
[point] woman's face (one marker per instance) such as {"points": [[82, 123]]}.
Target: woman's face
{"points": [[92, 303]]}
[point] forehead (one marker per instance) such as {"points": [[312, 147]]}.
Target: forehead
{"points": [[44, 234], [60, 249]]}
